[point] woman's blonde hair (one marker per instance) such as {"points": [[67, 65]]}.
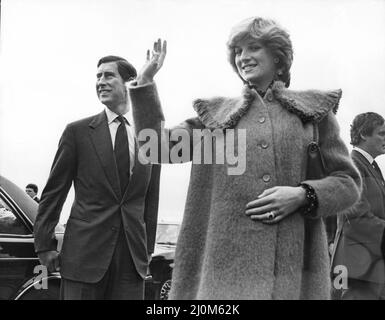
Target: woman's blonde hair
{"points": [[272, 36]]}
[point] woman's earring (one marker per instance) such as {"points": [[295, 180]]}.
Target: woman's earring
{"points": [[276, 60], [278, 75]]}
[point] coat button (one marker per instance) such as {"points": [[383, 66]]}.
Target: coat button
{"points": [[262, 119], [266, 178], [269, 97], [264, 144]]}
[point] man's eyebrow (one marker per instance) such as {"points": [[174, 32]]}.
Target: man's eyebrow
{"points": [[105, 72]]}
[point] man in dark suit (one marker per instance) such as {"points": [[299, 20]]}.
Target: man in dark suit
{"points": [[31, 189], [110, 233], [360, 236]]}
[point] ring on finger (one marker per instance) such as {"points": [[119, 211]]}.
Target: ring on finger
{"points": [[271, 215]]}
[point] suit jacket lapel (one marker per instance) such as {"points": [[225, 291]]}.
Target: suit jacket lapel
{"points": [[136, 173], [358, 156], [101, 139]]}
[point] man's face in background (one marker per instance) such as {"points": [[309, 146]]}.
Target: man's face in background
{"points": [[30, 192]]}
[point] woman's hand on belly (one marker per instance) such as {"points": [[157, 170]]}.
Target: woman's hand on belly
{"points": [[275, 204]]}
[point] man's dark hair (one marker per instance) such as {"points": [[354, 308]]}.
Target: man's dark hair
{"points": [[125, 69], [32, 186], [364, 124]]}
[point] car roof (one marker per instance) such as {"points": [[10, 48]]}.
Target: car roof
{"points": [[22, 200], [169, 222]]}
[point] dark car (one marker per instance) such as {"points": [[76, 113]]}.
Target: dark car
{"points": [[22, 277], [162, 262]]}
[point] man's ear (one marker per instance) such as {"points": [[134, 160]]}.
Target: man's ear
{"points": [[128, 82], [363, 137]]}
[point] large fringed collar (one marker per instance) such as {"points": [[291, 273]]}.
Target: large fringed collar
{"points": [[309, 106]]}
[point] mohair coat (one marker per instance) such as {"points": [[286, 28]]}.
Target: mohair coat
{"points": [[222, 253]]}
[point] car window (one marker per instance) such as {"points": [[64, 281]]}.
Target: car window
{"points": [[10, 223], [167, 233]]}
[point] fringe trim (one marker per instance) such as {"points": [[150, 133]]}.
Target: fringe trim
{"points": [[203, 108], [309, 106], [248, 98]]}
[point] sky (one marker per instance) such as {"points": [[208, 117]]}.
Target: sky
{"points": [[49, 50]]}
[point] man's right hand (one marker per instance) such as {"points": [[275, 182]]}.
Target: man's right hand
{"points": [[153, 63], [50, 259]]}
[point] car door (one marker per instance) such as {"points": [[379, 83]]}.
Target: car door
{"points": [[17, 256]]}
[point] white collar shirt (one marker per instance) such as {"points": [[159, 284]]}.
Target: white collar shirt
{"points": [[365, 154]]}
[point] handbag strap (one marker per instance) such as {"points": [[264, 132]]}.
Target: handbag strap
{"points": [[315, 132], [316, 146]]}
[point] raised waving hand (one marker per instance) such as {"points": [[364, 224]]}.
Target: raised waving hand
{"points": [[154, 61]]}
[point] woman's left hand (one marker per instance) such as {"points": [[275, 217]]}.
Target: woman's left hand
{"points": [[276, 203], [154, 62]]}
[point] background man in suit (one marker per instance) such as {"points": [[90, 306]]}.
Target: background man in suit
{"points": [[110, 233], [360, 235], [31, 189]]}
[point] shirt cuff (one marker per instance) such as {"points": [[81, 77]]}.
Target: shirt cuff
{"points": [[134, 84]]}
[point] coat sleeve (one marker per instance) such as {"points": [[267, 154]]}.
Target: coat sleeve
{"points": [[176, 144], [341, 187], [151, 208], [55, 192]]}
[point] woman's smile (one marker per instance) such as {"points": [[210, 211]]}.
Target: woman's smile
{"points": [[249, 67]]}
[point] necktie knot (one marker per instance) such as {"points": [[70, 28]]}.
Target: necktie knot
{"points": [[121, 119]]}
